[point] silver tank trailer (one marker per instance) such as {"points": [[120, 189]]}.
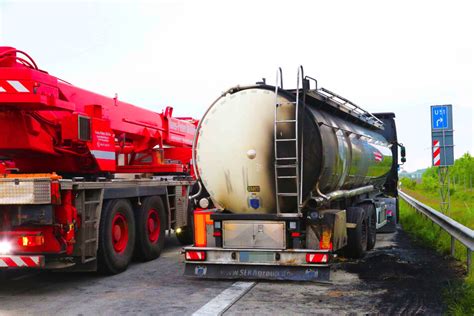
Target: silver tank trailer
{"points": [[234, 150]]}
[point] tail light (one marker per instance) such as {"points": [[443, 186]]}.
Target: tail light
{"points": [[31, 240], [295, 234], [195, 255], [317, 257]]}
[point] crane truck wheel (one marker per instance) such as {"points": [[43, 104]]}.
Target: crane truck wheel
{"points": [[151, 225], [369, 209], [356, 237], [116, 237]]}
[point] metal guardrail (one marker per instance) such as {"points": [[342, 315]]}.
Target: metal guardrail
{"points": [[457, 231]]}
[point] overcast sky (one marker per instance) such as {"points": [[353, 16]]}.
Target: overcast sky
{"points": [[400, 57]]}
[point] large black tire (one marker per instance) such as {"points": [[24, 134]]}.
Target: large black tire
{"points": [[369, 209], [186, 235], [116, 237], [356, 237], [151, 227]]}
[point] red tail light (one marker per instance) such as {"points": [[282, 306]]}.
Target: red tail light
{"points": [[196, 255], [295, 234], [31, 240], [217, 233], [317, 257]]}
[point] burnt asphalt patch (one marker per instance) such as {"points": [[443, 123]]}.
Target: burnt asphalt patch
{"points": [[412, 277], [397, 277]]}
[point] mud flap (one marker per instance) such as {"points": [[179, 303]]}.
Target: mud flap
{"points": [[256, 272]]}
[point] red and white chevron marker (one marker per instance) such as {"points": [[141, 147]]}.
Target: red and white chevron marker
{"points": [[21, 261], [436, 153], [13, 86]]}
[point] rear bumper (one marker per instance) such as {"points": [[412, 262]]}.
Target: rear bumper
{"points": [[207, 270], [19, 262], [265, 264]]}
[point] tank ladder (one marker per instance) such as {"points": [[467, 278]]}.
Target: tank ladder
{"points": [[287, 172]]}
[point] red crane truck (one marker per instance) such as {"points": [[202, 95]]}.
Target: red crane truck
{"points": [[86, 182]]}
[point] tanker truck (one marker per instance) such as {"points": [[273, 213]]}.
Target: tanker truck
{"points": [[295, 177]]}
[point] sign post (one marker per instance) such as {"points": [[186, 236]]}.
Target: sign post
{"points": [[442, 145]]}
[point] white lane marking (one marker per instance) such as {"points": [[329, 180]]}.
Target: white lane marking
{"points": [[18, 86], [222, 302]]}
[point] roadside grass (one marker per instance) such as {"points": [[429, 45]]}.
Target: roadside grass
{"points": [[459, 296], [461, 206]]}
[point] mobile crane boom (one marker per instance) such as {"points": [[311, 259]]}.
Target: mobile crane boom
{"points": [[47, 123]]}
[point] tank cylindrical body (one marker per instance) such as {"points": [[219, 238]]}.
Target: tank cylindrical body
{"points": [[234, 152]]}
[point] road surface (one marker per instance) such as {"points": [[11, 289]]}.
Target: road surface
{"points": [[397, 277]]}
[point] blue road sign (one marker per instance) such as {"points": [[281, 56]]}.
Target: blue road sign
{"points": [[439, 117], [442, 141]]}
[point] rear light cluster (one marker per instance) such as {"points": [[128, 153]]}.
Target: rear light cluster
{"points": [[317, 257], [31, 240], [195, 255]]}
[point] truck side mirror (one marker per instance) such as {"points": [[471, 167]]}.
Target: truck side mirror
{"points": [[403, 153]]}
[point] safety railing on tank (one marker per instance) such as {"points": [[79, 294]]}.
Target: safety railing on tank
{"points": [[350, 107], [456, 230]]}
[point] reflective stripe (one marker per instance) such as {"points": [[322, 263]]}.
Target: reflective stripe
{"points": [[18, 261], [2, 89], [101, 154], [436, 153], [18, 86], [9, 261]]}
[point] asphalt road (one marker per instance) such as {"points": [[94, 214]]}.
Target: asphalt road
{"points": [[395, 278]]}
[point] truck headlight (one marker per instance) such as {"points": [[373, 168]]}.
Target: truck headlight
{"points": [[5, 247]]}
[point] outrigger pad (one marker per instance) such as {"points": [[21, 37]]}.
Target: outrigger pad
{"points": [[256, 272]]}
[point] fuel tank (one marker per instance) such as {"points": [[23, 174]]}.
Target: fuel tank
{"points": [[234, 152]]}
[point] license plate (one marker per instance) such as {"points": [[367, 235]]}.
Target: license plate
{"points": [[257, 257]]}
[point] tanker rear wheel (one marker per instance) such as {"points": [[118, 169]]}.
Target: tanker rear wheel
{"points": [[369, 209], [356, 237]]}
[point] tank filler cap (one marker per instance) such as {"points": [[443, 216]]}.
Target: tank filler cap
{"points": [[251, 153]]}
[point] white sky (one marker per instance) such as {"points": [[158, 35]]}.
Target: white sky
{"points": [[400, 57]]}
